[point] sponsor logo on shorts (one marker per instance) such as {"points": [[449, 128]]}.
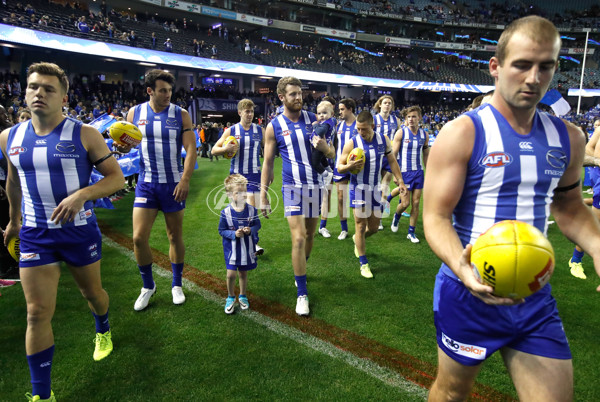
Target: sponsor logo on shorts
{"points": [[16, 151], [292, 208], [29, 257], [85, 214], [140, 200], [93, 247], [496, 159], [463, 349]]}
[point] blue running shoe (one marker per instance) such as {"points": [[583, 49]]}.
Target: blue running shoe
{"points": [[229, 305]]}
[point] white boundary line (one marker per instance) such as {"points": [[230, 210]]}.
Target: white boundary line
{"points": [[367, 366]]}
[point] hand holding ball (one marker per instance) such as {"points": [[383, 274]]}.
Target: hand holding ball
{"points": [[125, 134], [230, 140], [356, 155], [514, 258]]}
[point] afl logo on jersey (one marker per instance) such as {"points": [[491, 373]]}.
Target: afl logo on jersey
{"points": [[285, 133], [16, 151], [65, 147], [556, 158], [142, 122], [496, 159]]}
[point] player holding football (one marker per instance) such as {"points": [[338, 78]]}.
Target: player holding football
{"points": [[365, 187], [163, 183], [478, 174], [247, 150], [50, 160], [411, 147], [302, 185]]}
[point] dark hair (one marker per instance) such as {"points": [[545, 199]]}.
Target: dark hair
{"points": [[365, 117], [45, 68], [349, 104], [153, 75]]}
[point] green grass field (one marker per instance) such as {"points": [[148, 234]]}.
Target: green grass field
{"points": [[362, 338]]}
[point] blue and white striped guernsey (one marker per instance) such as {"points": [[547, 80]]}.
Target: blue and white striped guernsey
{"points": [[247, 158], [374, 155], [410, 156], [510, 176], [160, 150], [344, 133], [50, 167], [295, 149], [386, 127], [239, 251]]}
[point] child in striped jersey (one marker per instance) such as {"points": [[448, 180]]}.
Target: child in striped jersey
{"points": [[238, 225]]}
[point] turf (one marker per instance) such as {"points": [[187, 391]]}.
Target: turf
{"points": [[196, 352]]}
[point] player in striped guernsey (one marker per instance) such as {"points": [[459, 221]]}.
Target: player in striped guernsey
{"points": [[163, 183], [247, 151], [346, 130], [290, 132], [50, 159], [386, 123], [411, 147], [238, 225], [365, 187], [505, 160]]}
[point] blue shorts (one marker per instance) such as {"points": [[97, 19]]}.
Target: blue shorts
{"points": [[366, 196], [338, 177], [413, 179], [253, 181], [157, 196], [78, 246], [240, 267], [595, 179], [301, 201], [469, 331], [386, 165]]}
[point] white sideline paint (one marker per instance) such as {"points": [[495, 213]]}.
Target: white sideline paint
{"points": [[367, 366]]}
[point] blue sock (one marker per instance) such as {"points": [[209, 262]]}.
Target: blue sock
{"points": [[177, 271], [363, 260], [396, 219], [323, 223], [102, 325], [411, 230], [40, 368], [344, 225], [577, 255], [301, 282], [389, 198], [146, 271]]}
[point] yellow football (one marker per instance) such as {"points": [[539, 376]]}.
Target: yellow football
{"points": [[14, 248], [357, 154], [514, 258], [230, 140], [125, 134]]}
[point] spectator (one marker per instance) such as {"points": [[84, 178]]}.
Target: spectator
{"points": [[132, 38], [168, 45], [214, 51], [83, 26], [153, 41]]}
